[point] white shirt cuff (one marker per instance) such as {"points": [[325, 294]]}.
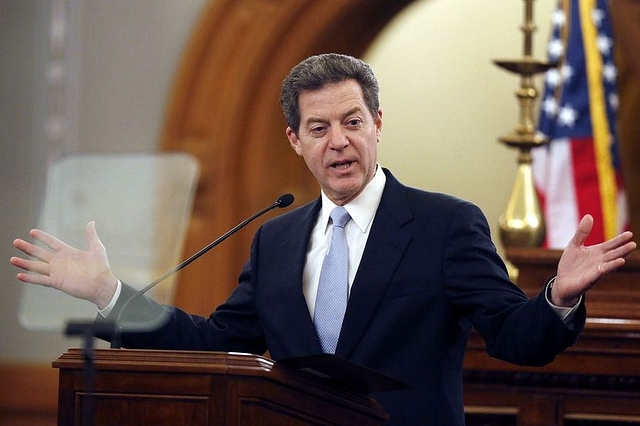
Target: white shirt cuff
{"points": [[566, 314], [107, 309]]}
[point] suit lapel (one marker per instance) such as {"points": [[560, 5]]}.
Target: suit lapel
{"points": [[294, 303], [385, 247]]}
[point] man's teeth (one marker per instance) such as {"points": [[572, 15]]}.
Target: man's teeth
{"points": [[342, 165]]}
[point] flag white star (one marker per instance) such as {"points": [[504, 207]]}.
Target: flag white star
{"points": [[597, 15], [604, 44], [567, 72], [555, 48], [567, 116], [553, 77], [558, 18], [609, 72], [550, 106], [614, 101]]}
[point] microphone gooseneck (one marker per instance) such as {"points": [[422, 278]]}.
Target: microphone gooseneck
{"points": [[284, 200]]}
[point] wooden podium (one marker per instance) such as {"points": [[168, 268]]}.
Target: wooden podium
{"points": [[155, 388]]}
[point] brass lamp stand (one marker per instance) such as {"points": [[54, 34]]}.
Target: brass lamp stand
{"points": [[522, 223]]}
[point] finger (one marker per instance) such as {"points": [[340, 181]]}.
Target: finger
{"points": [[618, 240], [91, 235], [583, 231], [33, 250], [34, 266], [610, 266], [42, 280], [619, 246], [21, 245], [49, 240], [621, 251]]}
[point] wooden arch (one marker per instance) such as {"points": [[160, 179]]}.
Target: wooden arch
{"points": [[225, 111]]}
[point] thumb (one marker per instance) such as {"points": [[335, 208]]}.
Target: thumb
{"points": [[583, 231], [92, 235]]}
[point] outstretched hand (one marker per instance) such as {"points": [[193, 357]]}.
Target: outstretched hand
{"points": [[581, 267], [82, 274]]}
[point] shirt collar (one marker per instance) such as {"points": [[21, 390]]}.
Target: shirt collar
{"points": [[363, 208]]}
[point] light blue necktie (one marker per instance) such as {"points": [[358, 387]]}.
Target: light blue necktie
{"points": [[333, 288]]}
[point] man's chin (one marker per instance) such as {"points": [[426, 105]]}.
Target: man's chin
{"points": [[344, 193]]}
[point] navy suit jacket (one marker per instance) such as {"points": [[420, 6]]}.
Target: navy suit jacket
{"points": [[429, 273]]}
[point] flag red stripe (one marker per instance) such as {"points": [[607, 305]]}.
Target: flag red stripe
{"points": [[587, 186]]}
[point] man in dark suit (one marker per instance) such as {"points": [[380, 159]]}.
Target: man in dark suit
{"points": [[421, 269]]}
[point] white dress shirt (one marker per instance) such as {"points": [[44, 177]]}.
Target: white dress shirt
{"points": [[362, 210]]}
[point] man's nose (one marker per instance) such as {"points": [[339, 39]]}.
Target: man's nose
{"points": [[338, 139]]}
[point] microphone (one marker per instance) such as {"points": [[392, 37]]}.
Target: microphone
{"points": [[283, 201]]}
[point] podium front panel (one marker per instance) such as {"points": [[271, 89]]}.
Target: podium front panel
{"points": [[157, 388]]}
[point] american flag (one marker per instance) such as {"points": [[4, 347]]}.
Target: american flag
{"points": [[579, 171]]}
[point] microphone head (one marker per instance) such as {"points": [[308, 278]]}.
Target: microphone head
{"points": [[285, 200]]}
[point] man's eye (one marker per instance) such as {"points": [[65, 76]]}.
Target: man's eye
{"points": [[354, 122], [317, 130]]}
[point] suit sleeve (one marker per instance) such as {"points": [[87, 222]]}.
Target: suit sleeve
{"points": [[515, 328], [233, 326]]}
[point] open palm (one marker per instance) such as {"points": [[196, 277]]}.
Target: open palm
{"points": [[82, 274], [581, 267]]}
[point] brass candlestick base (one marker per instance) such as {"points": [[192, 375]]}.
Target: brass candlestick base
{"points": [[522, 223]]}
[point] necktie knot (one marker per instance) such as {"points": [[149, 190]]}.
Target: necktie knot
{"points": [[340, 216]]}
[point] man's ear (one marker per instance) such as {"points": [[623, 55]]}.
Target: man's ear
{"points": [[294, 141]]}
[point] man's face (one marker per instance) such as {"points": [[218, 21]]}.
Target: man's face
{"points": [[338, 139]]}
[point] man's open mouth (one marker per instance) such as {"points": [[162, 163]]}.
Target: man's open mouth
{"points": [[342, 166]]}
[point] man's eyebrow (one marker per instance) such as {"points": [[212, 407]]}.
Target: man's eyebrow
{"points": [[315, 120], [349, 112], [352, 111]]}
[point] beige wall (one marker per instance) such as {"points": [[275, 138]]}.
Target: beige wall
{"points": [[444, 105]]}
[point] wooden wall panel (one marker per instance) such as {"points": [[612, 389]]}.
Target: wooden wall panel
{"points": [[625, 16], [28, 394]]}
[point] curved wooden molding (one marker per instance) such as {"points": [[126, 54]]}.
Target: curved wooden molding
{"points": [[225, 110]]}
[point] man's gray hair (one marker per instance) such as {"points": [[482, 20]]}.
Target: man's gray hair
{"points": [[315, 72]]}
